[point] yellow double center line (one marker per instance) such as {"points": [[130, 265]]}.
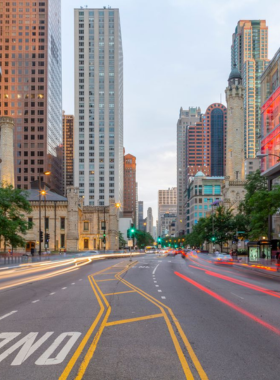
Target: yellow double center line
{"points": [[163, 308], [93, 345], [187, 344]]}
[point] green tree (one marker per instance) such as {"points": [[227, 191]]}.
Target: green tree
{"points": [[13, 209], [262, 204], [221, 221], [122, 242], [143, 239], [255, 182]]}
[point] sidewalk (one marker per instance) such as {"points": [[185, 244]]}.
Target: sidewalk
{"points": [[263, 266]]}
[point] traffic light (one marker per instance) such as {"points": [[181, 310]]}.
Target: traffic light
{"points": [[104, 238], [159, 239], [47, 238], [131, 232], [41, 237], [213, 238]]}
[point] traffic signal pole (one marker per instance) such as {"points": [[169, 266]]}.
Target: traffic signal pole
{"points": [[39, 185]]}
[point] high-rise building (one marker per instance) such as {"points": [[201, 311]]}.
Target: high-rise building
{"points": [[141, 216], [186, 118], [31, 91], [136, 207], [68, 153], [129, 194], [98, 130], [150, 221], [215, 121], [167, 204], [249, 52], [197, 150]]}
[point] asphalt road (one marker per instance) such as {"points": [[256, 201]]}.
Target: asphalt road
{"points": [[153, 318]]}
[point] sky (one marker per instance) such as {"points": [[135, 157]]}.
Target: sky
{"points": [[176, 54]]}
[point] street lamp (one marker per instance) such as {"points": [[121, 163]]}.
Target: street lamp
{"points": [[40, 190], [44, 194]]}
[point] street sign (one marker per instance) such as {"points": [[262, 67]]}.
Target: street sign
{"points": [[130, 243], [159, 246]]}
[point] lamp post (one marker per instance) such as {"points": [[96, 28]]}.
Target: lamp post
{"points": [[40, 190], [269, 186], [118, 206], [44, 193]]}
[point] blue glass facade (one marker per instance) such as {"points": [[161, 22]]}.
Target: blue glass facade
{"points": [[217, 142]]}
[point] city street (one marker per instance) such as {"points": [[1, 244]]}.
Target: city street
{"points": [[153, 317]]}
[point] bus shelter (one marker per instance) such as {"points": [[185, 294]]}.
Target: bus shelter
{"points": [[259, 250]]}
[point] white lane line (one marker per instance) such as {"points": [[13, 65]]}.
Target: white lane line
{"points": [[164, 298], [157, 286], [237, 296], [159, 261], [155, 282], [51, 294], [73, 283], [80, 279], [159, 290], [7, 315], [35, 301], [169, 261], [154, 271], [64, 288]]}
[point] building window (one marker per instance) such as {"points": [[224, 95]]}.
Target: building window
{"points": [[85, 243], [47, 223], [62, 240], [86, 226], [30, 223], [62, 223]]}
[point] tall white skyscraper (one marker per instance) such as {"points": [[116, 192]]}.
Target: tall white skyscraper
{"points": [[98, 131], [150, 221]]}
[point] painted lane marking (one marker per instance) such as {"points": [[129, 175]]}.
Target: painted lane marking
{"points": [[159, 290], [35, 301], [169, 261], [51, 294], [45, 359], [7, 337], [134, 319], [64, 288], [155, 282], [157, 286], [237, 295], [154, 271], [28, 345], [7, 315], [80, 279], [73, 283], [164, 298]]}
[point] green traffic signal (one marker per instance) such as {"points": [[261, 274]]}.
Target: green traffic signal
{"points": [[132, 230], [213, 238]]}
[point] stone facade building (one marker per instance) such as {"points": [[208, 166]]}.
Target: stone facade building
{"points": [[233, 187], [7, 150], [71, 225]]}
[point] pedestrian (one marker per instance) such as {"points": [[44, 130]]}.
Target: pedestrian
{"points": [[278, 260]]}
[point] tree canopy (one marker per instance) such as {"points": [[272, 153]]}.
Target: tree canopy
{"points": [[143, 239], [13, 209]]}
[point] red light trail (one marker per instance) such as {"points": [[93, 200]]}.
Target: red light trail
{"points": [[229, 303]]}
